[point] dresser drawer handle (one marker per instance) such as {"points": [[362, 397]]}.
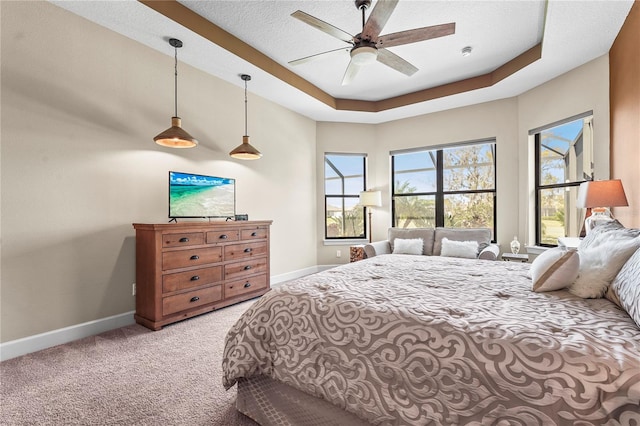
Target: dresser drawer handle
{"points": [[246, 268], [223, 237], [247, 250], [184, 240], [195, 257], [247, 285], [195, 278], [194, 299], [254, 234]]}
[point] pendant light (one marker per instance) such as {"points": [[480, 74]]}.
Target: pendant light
{"points": [[245, 151], [175, 136]]}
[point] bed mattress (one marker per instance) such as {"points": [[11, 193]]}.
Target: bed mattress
{"points": [[400, 339]]}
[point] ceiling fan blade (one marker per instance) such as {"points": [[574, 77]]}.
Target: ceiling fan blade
{"points": [[378, 18], [316, 56], [396, 62], [350, 73], [323, 26], [418, 34]]}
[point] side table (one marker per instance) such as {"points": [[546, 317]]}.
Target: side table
{"points": [[356, 253], [569, 243], [520, 257]]}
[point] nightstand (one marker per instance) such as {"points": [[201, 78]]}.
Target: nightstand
{"points": [[570, 243], [356, 253], [510, 257]]}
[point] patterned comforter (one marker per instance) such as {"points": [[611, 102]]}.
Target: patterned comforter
{"points": [[400, 339]]}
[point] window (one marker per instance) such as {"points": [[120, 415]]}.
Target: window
{"points": [[453, 186], [344, 178], [563, 156]]}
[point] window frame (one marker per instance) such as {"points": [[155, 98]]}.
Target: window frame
{"points": [[344, 196], [440, 194], [538, 187]]}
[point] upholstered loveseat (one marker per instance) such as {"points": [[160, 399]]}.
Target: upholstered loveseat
{"points": [[432, 241]]}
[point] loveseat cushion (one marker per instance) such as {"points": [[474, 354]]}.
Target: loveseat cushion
{"points": [[427, 235], [481, 235]]}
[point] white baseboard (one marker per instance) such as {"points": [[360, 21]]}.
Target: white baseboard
{"points": [[52, 338], [279, 279], [64, 335]]}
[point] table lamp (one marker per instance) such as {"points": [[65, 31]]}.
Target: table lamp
{"points": [[597, 197]]}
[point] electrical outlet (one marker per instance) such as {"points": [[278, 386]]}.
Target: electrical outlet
{"points": [[133, 289], [338, 253]]}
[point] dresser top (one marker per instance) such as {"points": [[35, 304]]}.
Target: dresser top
{"points": [[181, 226]]}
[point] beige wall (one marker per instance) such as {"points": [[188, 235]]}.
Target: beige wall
{"points": [[582, 89], [508, 120], [80, 106], [79, 165], [625, 115]]}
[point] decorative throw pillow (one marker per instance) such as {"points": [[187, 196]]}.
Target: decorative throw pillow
{"points": [[601, 260], [554, 269], [465, 249], [626, 287], [595, 235], [410, 246]]}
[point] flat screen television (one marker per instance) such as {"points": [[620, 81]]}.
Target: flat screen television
{"points": [[192, 195]]}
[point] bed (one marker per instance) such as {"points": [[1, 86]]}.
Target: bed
{"points": [[416, 340]]}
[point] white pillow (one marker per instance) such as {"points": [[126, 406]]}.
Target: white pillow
{"points": [[626, 287], [600, 263], [409, 246], [554, 269], [465, 249]]}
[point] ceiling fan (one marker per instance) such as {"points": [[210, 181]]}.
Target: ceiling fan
{"points": [[369, 45]]}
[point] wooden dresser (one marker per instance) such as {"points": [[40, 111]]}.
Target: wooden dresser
{"points": [[186, 269]]}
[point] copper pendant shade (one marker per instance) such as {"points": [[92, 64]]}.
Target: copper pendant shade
{"points": [[245, 151], [175, 136]]}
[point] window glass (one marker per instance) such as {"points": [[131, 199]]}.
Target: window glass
{"points": [[453, 186], [415, 211], [344, 179], [563, 162], [469, 210], [469, 167], [415, 172]]}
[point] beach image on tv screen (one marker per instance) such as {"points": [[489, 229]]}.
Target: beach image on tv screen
{"points": [[200, 196]]}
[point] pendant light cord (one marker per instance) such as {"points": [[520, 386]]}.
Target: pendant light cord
{"points": [[175, 83], [245, 109]]}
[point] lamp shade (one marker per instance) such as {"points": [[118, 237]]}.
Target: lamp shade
{"points": [[245, 151], [175, 136], [371, 198], [602, 193]]}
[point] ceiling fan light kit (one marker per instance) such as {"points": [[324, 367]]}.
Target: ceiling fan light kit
{"points": [[175, 136], [364, 55], [369, 46]]}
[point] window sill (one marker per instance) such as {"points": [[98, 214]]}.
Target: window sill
{"points": [[345, 242]]}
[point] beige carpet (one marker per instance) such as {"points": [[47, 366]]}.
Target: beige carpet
{"points": [[128, 376]]}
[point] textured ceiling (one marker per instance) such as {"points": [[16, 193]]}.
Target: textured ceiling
{"points": [[572, 33]]}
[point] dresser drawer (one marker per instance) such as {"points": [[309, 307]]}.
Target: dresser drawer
{"points": [[247, 267], [192, 299], [193, 257], [183, 239], [243, 251], [236, 288], [190, 279], [254, 234], [222, 236]]}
